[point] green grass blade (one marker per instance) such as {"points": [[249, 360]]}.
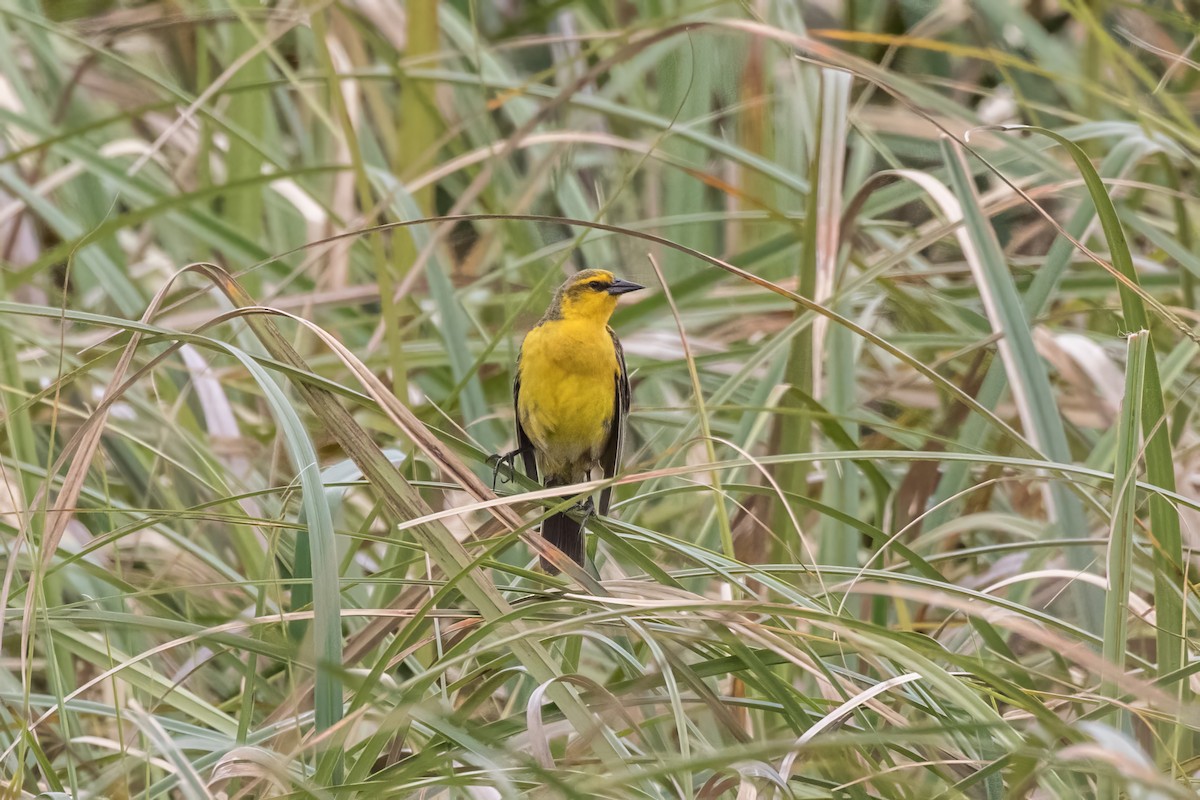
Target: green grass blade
{"points": [[1170, 584], [1122, 532]]}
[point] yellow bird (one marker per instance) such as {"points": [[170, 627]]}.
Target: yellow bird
{"points": [[571, 396]]}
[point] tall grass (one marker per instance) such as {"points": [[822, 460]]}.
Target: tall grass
{"points": [[909, 502]]}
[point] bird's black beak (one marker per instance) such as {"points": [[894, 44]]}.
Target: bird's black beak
{"points": [[624, 287]]}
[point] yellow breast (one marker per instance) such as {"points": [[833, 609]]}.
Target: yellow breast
{"points": [[567, 399]]}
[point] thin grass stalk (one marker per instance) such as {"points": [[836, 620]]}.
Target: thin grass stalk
{"points": [[794, 426], [755, 135], [205, 128], [248, 112], [1124, 522], [1184, 230], [417, 118], [417, 123], [834, 347]]}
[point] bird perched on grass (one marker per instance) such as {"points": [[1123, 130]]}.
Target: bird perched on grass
{"points": [[572, 396]]}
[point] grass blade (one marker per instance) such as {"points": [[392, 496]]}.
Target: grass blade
{"points": [[1124, 502], [1170, 583]]}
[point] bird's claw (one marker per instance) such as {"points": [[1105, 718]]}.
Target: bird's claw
{"points": [[587, 510], [498, 460]]}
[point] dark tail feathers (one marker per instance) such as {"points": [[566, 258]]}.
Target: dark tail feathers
{"points": [[567, 535]]}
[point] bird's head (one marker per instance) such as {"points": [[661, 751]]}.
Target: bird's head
{"points": [[591, 294]]}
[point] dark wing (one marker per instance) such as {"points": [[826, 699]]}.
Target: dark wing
{"points": [[524, 443], [610, 459]]}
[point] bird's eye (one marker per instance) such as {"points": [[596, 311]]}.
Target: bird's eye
{"points": [[597, 285]]}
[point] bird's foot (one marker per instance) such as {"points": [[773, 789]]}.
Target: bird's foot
{"points": [[498, 461], [587, 510]]}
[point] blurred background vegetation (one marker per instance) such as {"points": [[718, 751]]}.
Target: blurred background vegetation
{"points": [[910, 500]]}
